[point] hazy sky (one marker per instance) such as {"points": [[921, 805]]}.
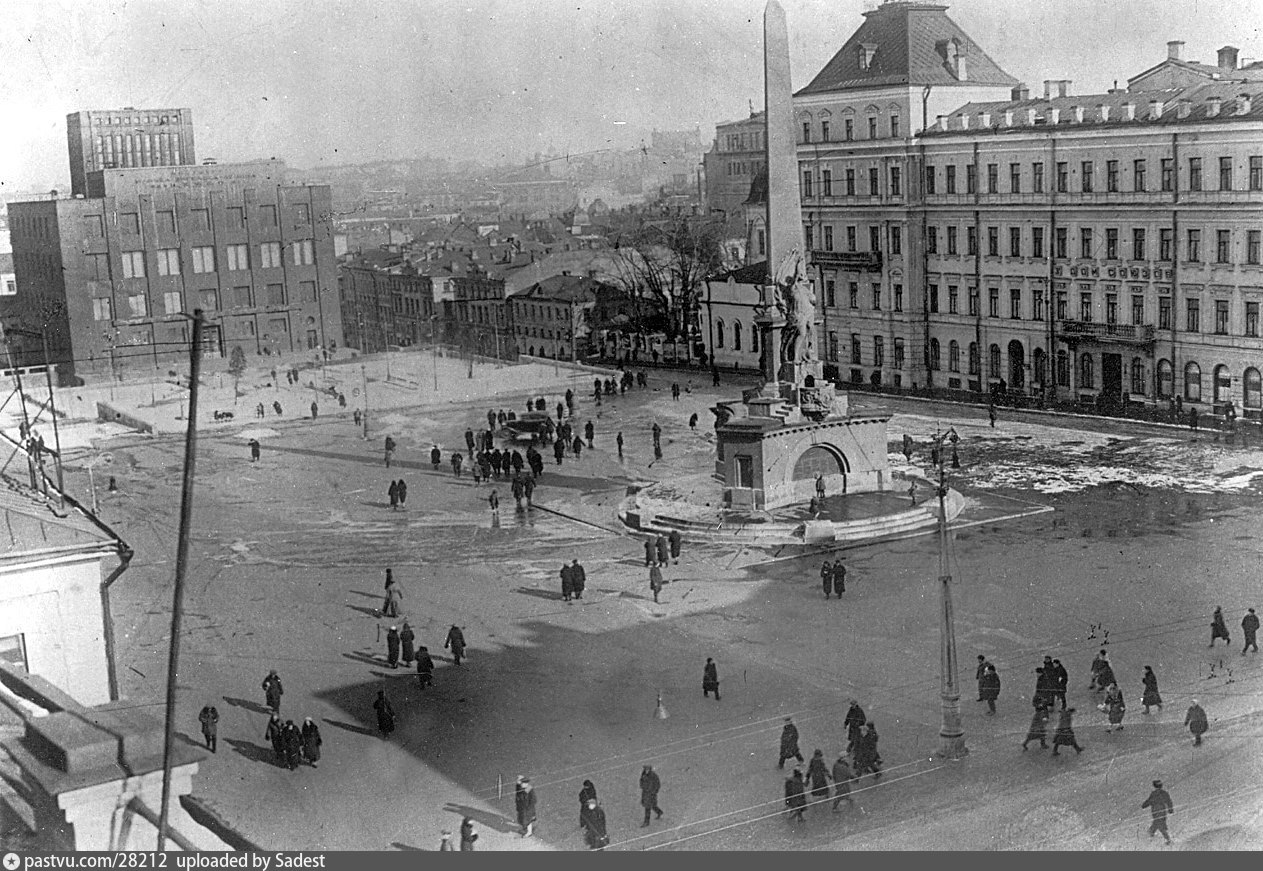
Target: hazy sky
{"points": [[334, 81]]}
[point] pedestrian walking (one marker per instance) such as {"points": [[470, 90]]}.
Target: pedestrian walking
{"points": [[664, 550], [619, 441], [1195, 719], [528, 488], [839, 577], [1061, 681], [650, 784], [567, 584], [1064, 736], [260, 412], [385, 713], [314, 409], [425, 667], [592, 820], [912, 490], [388, 452], [655, 581], [209, 718], [674, 542], [1151, 696], [675, 391], [407, 640], [1038, 730], [457, 459], [469, 441], [589, 431], [991, 414], [841, 782], [586, 794], [272, 691], [493, 499], [393, 597], [854, 724], [820, 487], [1102, 672], [826, 578], [275, 735], [657, 437], [578, 578], [436, 456], [789, 744], [392, 647], [392, 493], [468, 836], [651, 552], [907, 448], [710, 679], [276, 406], [979, 672], [255, 450], [693, 421], [989, 687], [1218, 629], [818, 777], [795, 796], [867, 757], [1159, 804], [292, 741], [311, 742], [1250, 626], [525, 801], [402, 489], [456, 641], [559, 449], [1045, 687], [1114, 707]]}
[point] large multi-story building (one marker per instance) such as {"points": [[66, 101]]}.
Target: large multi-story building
{"points": [[552, 318], [112, 280], [736, 157], [384, 302], [118, 138]]}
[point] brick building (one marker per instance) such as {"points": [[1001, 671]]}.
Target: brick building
{"points": [[384, 302], [118, 138], [736, 157]]}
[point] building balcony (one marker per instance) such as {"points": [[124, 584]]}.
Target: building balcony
{"points": [[858, 261], [1141, 334]]}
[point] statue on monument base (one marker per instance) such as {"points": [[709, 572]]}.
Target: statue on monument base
{"points": [[795, 301]]}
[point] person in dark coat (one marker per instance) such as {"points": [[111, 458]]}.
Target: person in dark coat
{"points": [[255, 450], [385, 713], [468, 836], [674, 541], [1218, 629], [795, 796], [655, 581], [273, 691], [710, 679], [990, 687], [839, 577], [1038, 730], [425, 667], [579, 578], [818, 777], [292, 740], [311, 742], [619, 441], [650, 785], [854, 723], [392, 647], [567, 583], [589, 432], [789, 744], [979, 672], [592, 820], [518, 492], [559, 450], [525, 802], [1061, 680], [1104, 671], [436, 457], [1115, 707], [1250, 626], [393, 494], [1151, 696], [842, 778], [1160, 807], [577, 447], [1195, 719], [1045, 688], [826, 578], [586, 794], [209, 718], [1064, 736], [394, 594], [407, 639], [651, 552], [402, 488], [664, 550], [275, 735], [456, 641], [493, 499], [867, 757]]}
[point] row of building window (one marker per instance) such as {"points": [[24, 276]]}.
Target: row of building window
{"points": [[721, 336], [557, 313], [542, 333], [137, 304], [202, 259], [198, 220], [1093, 244], [1033, 181], [849, 178], [894, 129]]}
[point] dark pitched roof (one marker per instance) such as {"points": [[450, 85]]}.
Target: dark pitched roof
{"points": [[569, 288], [758, 188], [1249, 73], [753, 273], [910, 39]]}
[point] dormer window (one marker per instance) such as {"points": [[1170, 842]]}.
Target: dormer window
{"points": [[868, 50]]}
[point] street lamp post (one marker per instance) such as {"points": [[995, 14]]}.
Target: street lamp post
{"points": [[434, 350], [951, 733]]}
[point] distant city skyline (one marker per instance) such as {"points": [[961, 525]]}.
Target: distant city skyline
{"points": [[336, 82]]}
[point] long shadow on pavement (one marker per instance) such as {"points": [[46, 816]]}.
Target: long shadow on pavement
{"points": [[253, 707], [253, 752], [350, 727], [539, 594], [372, 612], [490, 820]]}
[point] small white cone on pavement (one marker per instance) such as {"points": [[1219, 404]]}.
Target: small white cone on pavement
{"points": [[660, 712]]}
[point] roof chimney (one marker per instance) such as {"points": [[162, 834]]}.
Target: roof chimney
{"points": [[1063, 87], [1175, 50], [1212, 107], [1078, 114], [984, 119], [1054, 115], [1105, 111], [1155, 110], [1182, 108], [964, 120], [1047, 88], [1243, 104], [1021, 92], [942, 122], [1129, 110], [1228, 57], [1030, 117], [1008, 117]]}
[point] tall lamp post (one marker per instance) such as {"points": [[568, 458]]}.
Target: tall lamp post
{"points": [[434, 349], [951, 733]]}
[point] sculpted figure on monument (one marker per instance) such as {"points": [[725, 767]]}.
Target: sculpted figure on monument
{"points": [[796, 301]]}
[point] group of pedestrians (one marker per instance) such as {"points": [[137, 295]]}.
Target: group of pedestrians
{"points": [[1249, 627], [291, 744], [398, 494], [814, 787], [833, 577], [574, 579]]}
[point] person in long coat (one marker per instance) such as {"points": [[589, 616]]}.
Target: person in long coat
{"points": [[393, 596], [854, 723], [592, 820], [1038, 730], [1045, 688], [710, 679], [393, 494], [675, 541], [586, 794], [1250, 626], [311, 742], [826, 578], [468, 836], [579, 578], [1115, 707], [990, 687], [1151, 696], [979, 672], [842, 777], [456, 641], [795, 796], [867, 757], [655, 580], [425, 667], [1196, 721], [567, 583], [209, 718], [385, 713], [525, 802], [1218, 628], [407, 644], [402, 488], [275, 735], [292, 743], [789, 744], [650, 786], [273, 691], [392, 647], [1061, 679], [664, 550], [1104, 671], [818, 776], [1160, 807], [1064, 736], [651, 552], [839, 577]]}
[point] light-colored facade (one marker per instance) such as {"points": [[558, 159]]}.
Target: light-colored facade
{"points": [[726, 312], [118, 138], [737, 156]]}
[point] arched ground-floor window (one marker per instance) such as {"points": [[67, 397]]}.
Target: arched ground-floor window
{"points": [[1193, 383], [1039, 362], [1063, 369], [1166, 379], [1253, 389], [1223, 384]]}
